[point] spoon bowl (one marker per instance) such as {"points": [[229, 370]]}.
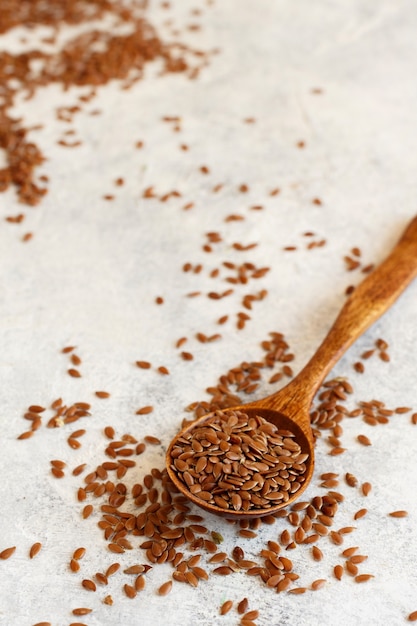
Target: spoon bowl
{"points": [[289, 408], [278, 419]]}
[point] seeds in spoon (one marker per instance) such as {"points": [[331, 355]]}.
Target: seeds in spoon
{"points": [[244, 462]]}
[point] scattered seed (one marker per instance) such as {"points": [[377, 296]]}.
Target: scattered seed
{"points": [[318, 584], [35, 549], [152, 440], [243, 606], [90, 585], [398, 514], [225, 607], [366, 489], [165, 588], [363, 578], [144, 410], [129, 591], [79, 553], [145, 365], [81, 611], [7, 553]]}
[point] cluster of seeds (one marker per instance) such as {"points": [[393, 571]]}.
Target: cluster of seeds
{"points": [[62, 416], [89, 60], [238, 462], [172, 533], [381, 348]]}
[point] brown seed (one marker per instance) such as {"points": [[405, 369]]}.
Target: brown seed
{"points": [[90, 585], [74, 373], [101, 578], [358, 558], [140, 583], [365, 441], [152, 440], [79, 469], [73, 443], [398, 514], [363, 578], [412, 617], [26, 435], [35, 549], [87, 510], [297, 590], [75, 359], [316, 553], [366, 488], [223, 570], [243, 606], [144, 410], [251, 615], [225, 607], [318, 584], [349, 551], [145, 365], [112, 569], [74, 566], [338, 572], [102, 394], [82, 611], [7, 553], [109, 432], [351, 480], [114, 547], [165, 588], [129, 591], [79, 553], [36, 408], [360, 513]]}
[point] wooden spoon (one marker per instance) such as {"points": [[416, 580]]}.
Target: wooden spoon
{"points": [[289, 408]]}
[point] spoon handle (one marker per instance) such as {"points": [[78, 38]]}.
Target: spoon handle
{"points": [[370, 299]]}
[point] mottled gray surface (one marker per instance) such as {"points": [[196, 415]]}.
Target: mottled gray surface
{"points": [[90, 275]]}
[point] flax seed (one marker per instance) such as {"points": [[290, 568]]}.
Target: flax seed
{"points": [[129, 591], [366, 488], [144, 410], [398, 514], [7, 553], [145, 365], [81, 611], [165, 588], [225, 607], [363, 578], [243, 606], [35, 549], [74, 566], [89, 585], [79, 553]]}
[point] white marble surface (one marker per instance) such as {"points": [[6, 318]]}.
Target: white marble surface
{"points": [[90, 275]]}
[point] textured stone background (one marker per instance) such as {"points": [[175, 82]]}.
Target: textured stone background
{"points": [[90, 275]]}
